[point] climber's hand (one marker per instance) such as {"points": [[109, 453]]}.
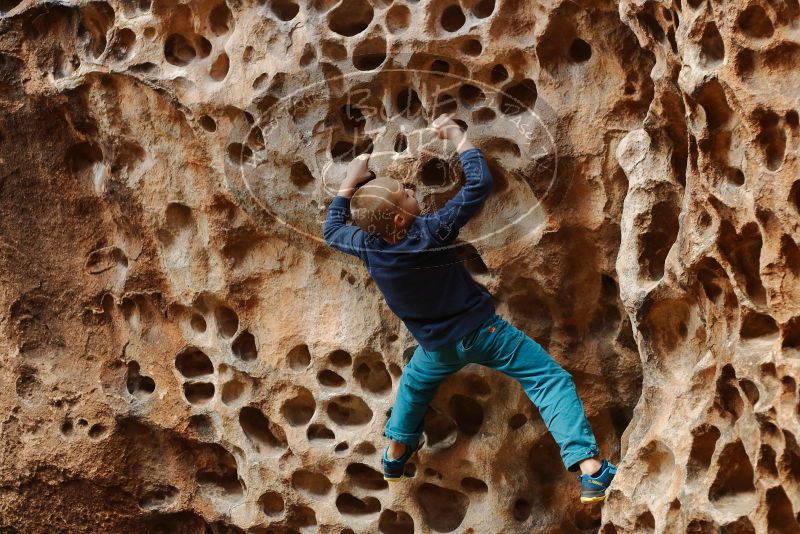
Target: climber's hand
{"points": [[445, 127], [358, 174]]}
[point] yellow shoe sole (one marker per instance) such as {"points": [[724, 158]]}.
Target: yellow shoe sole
{"points": [[388, 479], [587, 500]]}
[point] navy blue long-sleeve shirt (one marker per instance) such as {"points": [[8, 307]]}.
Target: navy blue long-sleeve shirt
{"points": [[421, 277]]}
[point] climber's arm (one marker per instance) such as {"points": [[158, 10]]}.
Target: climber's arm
{"points": [[341, 236]]}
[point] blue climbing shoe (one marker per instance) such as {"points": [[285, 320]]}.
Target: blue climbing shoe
{"points": [[593, 487], [393, 469]]}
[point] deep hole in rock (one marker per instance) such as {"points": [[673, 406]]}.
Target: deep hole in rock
{"points": [[300, 517], [178, 50], [713, 278], [483, 9], [330, 379], [203, 46], [483, 115], [158, 497], [435, 173], [657, 239], [792, 119], [311, 482], [467, 413], [518, 97], [442, 508], [240, 154], [400, 143], [299, 409], [227, 322], [123, 43], [517, 421], [97, 431], [260, 431], [728, 400], [471, 47], [474, 485], [341, 447], [704, 441], [371, 374], [244, 347], [651, 24], [766, 462], [743, 251], [755, 325], [317, 431], [232, 391], [365, 477], [580, 51], [8, 5], [271, 503], [351, 17], [791, 334], [198, 392], [791, 255], [299, 357], [208, 124], [470, 96], [139, 385], [742, 525], [340, 358], [220, 19], [498, 74], [285, 10], [408, 103], [300, 175], [220, 67], [735, 476], [353, 119], [780, 516], [755, 22], [712, 48], [398, 18], [96, 19], [453, 18], [750, 390], [771, 139], [348, 504], [349, 410], [430, 472], [440, 430], [399, 522], [192, 363], [201, 427], [521, 509], [440, 66], [84, 156]]}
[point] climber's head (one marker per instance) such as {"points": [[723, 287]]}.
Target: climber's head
{"points": [[384, 207]]}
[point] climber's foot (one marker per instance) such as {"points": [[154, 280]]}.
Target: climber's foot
{"points": [[593, 487], [393, 468]]}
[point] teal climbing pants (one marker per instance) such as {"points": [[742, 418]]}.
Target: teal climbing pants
{"points": [[498, 345]]}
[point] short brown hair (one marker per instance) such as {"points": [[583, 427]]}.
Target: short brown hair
{"points": [[372, 209]]}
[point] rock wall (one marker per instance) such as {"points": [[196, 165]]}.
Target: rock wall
{"points": [[181, 352]]}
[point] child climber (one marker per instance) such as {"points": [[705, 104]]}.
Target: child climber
{"points": [[412, 259]]}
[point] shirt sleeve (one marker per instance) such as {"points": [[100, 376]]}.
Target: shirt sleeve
{"points": [[445, 223], [346, 238]]}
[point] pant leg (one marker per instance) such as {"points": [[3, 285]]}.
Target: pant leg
{"points": [[418, 385], [549, 387]]}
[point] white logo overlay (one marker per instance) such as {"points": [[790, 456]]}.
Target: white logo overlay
{"points": [[287, 155]]}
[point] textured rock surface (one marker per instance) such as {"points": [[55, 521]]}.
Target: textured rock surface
{"points": [[181, 353]]}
